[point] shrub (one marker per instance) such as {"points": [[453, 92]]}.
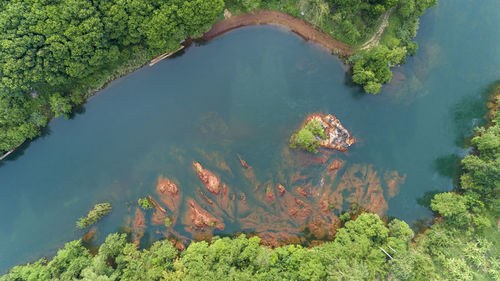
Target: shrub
{"points": [[308, 137], [145, 203], [96, 214]]}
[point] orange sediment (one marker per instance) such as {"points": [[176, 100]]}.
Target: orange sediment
{"points": [[89, 235], [305, 30], [307, 211], [138, 226]]}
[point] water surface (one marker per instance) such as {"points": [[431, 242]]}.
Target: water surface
{"points": [[245, 93]]}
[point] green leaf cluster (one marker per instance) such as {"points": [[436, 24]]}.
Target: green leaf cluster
{"points": [[308, 138], [145, 203], [96, 214], [372, 68]]}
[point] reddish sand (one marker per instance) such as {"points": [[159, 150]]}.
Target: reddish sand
{"points": [[298, 26]]}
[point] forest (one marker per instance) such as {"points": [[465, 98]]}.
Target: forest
{"points": [[55, 54]]}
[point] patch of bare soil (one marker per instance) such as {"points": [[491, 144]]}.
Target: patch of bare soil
{"points": [[296, 25]]}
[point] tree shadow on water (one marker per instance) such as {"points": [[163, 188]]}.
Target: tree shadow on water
{"points": [[469, 112], [425, 200], [449, 166], [356, 91], [16, 154], [79, 110]]}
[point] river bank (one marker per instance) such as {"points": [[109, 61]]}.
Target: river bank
{"points": [[305, 30], [300, 27]]}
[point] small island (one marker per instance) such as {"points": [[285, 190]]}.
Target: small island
{"points": [[321, 130]]}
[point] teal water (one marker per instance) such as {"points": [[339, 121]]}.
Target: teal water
{"points": [[245, 93]]}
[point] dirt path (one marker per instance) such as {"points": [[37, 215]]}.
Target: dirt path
{"points": [[375, 39], [298, 26]]}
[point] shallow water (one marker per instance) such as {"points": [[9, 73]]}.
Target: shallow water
{"points": [[246, 93]]}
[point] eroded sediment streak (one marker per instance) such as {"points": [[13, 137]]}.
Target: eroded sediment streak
{"points": [[298, 26], [295, 205]]}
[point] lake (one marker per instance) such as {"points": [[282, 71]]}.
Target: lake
{"points": [[244, 94]]}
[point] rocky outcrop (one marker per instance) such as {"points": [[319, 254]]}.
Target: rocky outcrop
{"points": [[337, 137]]}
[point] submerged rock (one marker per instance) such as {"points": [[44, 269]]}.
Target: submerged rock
{"points": [[89, 235], [212, 183], [200, 218], [281, 189], [243, 162], [336, 165], [165, 185]]}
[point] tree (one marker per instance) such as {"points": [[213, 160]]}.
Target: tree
{"points": [[452, 206], [59, 105], [69, 262], [308, 137]]}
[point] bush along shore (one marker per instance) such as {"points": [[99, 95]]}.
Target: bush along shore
{"points": [[463, 243], [47, 72]]}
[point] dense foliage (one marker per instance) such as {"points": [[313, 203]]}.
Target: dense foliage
{"points": [[355, 254], [351, 21], [96, 214], [371, 68], [308, 138], [53, 53]]}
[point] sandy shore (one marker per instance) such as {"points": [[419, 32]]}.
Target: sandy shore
{"points": [[298, 26]]}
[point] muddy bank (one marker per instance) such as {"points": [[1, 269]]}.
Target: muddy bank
{"points": [[298, 26]]}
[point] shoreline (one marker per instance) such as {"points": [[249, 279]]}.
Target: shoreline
{"points": [[298, 26]]}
